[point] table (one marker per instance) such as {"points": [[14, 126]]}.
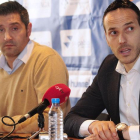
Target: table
{"points": [[28, 135]]}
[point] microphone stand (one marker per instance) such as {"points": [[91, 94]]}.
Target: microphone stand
{"points": [[40, 125]]}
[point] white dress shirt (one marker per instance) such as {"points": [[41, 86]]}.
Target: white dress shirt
{"points": [[22, 58], [128, 100]]}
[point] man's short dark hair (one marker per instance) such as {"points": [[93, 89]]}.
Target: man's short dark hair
{"points": [[14, 7], [122, 4]]}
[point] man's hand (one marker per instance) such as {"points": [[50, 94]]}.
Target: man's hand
{"points": [[102, 130]]}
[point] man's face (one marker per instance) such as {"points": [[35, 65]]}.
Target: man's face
{"points": [[122, 32], [13, 35]]}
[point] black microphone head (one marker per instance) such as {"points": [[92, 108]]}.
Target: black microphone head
{"points": [[43, 106]]}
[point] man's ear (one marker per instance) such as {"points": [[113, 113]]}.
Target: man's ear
{"points": [[29, 29]]}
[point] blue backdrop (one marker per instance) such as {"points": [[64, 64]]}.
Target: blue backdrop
{"points": [[74, 29]]}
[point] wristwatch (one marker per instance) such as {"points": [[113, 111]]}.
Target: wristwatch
{"points": [[121, 127]]}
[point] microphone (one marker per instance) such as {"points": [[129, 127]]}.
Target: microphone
{"points": [[60, 91]]}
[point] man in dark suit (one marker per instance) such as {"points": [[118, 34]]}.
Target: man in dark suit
{"points": [[116, 86]]}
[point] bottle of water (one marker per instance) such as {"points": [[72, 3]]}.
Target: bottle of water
{"points": [[55, 121]]}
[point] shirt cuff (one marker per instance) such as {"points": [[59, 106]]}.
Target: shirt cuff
{"points": [[83, 131], [134, 132]]}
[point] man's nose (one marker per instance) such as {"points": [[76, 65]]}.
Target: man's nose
{"points": [[7, 36], [122, 39]]}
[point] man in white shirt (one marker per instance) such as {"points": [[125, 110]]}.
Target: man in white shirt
{"points": [[116, 87]]}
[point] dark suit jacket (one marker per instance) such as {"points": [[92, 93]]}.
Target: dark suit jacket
{"points": [[102, 94]]}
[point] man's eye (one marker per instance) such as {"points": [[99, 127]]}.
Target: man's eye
{"points": [[113, 33], [1, 30], [15, 29], [130, 28]]}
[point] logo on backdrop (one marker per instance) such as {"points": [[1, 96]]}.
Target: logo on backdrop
{"points": [[45, 40], [79, 81], [38, 8], [68, 43], [76, 42], [74, 7]]}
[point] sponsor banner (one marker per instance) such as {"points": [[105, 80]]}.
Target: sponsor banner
{"points": [[74, 29], [76, 42], [73, 101], [38, 8], [42, 37], [74, 7], [79, 81]]}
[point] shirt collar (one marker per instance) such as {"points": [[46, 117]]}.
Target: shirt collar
{"points": [[23, 56], [121, 69]]}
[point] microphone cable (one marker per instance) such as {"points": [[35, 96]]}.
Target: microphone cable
{"points": [[14, 125]]}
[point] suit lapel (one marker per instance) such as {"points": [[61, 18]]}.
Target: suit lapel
{"points": [[113, 79]]}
